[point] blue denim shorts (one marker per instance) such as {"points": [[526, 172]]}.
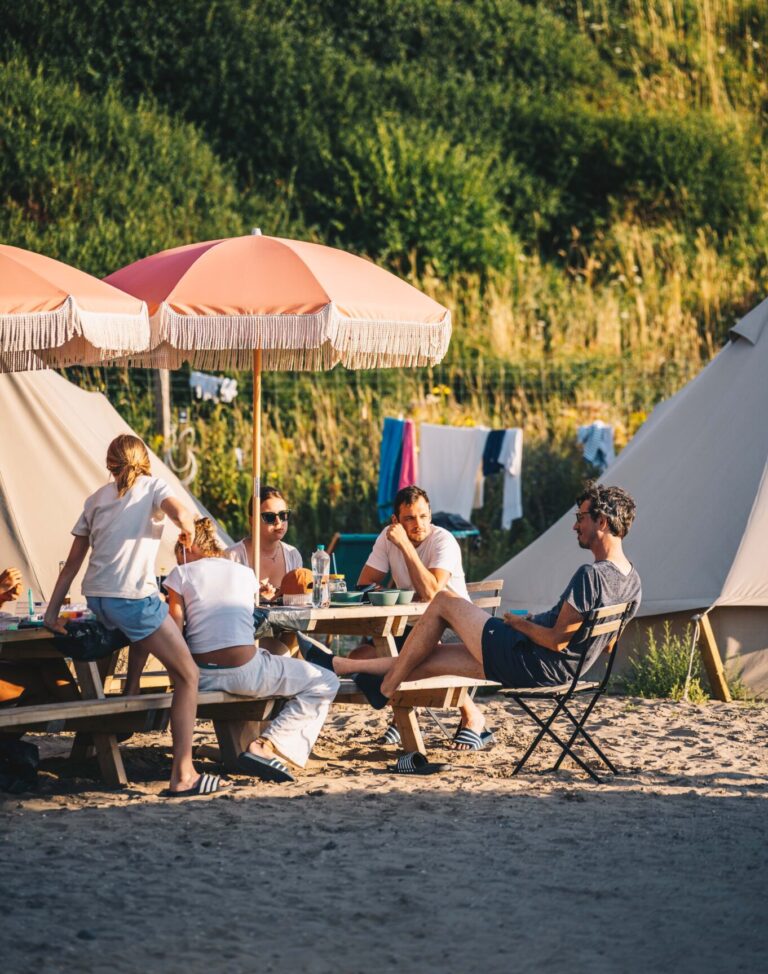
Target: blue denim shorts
{"points": [[136, 618]]}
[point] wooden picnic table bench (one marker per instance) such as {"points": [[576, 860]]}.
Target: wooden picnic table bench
{"points": [[97, 717]]}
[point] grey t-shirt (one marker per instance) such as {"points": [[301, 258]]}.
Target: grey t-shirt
{"points": [[593, 587]]}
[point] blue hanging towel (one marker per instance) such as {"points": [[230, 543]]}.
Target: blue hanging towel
{"points": [[389, 465]]}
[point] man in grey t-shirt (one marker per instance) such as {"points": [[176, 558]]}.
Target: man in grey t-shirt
{"points": [[517, 651]]}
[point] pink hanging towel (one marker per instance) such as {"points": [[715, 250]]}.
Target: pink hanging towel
{"points": [[409, 471]]}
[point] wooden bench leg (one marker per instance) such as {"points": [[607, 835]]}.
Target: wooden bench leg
{"points": [[234, 736], [410, 733], [82, 747], [89, 677]]}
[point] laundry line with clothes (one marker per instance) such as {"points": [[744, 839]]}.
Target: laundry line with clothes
{"points": [[452, 463]]}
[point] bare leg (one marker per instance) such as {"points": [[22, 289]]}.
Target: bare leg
{"points": [[364, 651], [168, 645], [137, 660], [466, 620]]}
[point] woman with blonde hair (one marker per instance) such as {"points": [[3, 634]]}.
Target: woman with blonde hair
{"points": [[211, 599], [122, 523]]}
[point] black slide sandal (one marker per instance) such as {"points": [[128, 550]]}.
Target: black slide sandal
{"points": [[417, 763]]}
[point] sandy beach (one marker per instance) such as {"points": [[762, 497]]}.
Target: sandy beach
{"points": [[352, 869]]}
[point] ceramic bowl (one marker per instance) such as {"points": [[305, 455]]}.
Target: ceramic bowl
{"points": [[387, 597], [347, 598], [405, 597]]}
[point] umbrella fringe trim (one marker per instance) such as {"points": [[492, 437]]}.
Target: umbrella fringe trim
{"points": [[293, 342], [38, 329], [228, 332], [47, 331]]}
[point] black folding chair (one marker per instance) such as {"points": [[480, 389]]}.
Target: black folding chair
{"points": [[608, 621]]}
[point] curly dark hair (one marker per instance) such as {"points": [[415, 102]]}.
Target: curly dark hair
{"points": [[613, 503]]}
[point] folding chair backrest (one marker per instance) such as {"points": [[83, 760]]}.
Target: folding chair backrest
{"points": [[487, 594], [600, 633]]}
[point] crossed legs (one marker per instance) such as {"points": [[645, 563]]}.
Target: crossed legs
{"points": [[423, 655]]}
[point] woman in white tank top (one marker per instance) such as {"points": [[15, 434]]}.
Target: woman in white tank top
{"points": [[213, 597]]}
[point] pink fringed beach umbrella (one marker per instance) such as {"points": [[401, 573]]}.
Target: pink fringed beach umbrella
{"points": [[261, 302], [54, 315]]}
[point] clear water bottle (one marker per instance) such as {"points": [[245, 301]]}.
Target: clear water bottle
{"points": [[321, 563]]}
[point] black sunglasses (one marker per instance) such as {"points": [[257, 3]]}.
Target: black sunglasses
{"points": [[270, 517]]}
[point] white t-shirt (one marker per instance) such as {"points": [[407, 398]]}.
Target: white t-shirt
{"points": [[218, 599], [438, 550], [238, 554], [124, 534]]}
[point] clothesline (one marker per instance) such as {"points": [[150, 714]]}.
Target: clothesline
{"points": [[455, 460]]}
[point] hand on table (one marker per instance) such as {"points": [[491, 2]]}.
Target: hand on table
{"points": [[10, 584], [267, 590], [51, 621]]}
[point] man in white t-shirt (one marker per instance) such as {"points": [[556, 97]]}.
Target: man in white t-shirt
{"points": [[418, 554]]}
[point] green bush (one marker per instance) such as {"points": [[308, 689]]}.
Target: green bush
{"points": [[691, 168], [659, 669], [91, 182], [403, 191]]}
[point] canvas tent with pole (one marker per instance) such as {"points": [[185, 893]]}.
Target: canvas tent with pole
{"points": [[698, 469], [53, 444]]}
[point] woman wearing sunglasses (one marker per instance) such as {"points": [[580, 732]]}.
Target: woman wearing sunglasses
{"points": [[276, 557]]}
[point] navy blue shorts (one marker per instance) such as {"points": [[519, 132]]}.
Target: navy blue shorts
{"points": [[513, 660]]}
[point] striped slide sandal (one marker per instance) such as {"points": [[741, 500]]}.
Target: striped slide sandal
{"points": [[268, 769], [417, 763]]}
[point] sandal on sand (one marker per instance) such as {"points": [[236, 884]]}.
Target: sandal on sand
{"points": [[390, 736], [370, 685], [268, 769], [471, 740], [417, 763], [206, 784]]}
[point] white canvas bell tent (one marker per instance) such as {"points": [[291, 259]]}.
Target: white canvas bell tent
{"points": [[698, 470], [53, 445]]}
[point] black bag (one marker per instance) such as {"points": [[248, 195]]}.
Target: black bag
{"points": [[88, 641], [18, 766]]}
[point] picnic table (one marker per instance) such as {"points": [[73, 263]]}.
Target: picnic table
{"points": [[98, 717]]}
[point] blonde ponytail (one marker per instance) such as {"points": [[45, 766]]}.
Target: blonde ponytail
{"points": [[205, 540], [127, 460]]}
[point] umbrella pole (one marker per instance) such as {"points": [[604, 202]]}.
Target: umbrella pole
{"points": [[256, 521]]}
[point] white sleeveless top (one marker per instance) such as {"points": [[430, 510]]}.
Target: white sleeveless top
{"points": [[292, 555]]}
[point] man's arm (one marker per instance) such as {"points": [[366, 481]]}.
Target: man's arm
{"points": [[557, 638], [370, 576], [426, 582]]}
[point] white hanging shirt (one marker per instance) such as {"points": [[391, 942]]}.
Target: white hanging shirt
{"points": [[511, 458], [449, 462]]}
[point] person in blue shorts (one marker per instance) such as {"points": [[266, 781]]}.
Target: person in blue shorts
{"points": [[121, 525]]}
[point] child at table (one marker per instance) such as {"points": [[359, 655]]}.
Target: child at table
{"points": [[214, 597], [122, 525]]}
